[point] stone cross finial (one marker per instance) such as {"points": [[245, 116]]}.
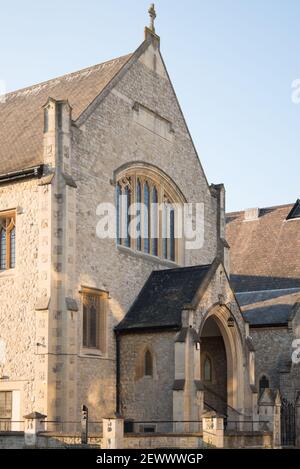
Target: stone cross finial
{"points": [[152, 14]]}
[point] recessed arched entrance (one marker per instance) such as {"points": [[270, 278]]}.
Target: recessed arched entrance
{"points": [[221, 362], [213, 367]]}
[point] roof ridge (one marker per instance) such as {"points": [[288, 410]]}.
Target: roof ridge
{"points": [[76, 72], [262, 208], [180, 269], [267, 291]]}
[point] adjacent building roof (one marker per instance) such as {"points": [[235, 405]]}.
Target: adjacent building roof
{"points": [[163, 297], [264, 248], [268, 308], [265, 262], [21, 115]]}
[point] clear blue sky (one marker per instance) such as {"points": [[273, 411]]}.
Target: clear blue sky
{"points": [[232, 63]]}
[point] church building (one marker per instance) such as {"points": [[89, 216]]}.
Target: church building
{"points": [[146, 326]]}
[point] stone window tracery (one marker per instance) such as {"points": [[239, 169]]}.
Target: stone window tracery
{"points": [[147, 219]]}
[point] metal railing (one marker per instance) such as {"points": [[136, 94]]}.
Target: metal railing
{"points": [[8, 425], [56, 426]]}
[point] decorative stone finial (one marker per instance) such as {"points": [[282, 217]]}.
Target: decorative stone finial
{"points": [[152, 14]]}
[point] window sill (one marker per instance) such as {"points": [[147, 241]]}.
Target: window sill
{"points": [[91, 353], [7, 273], [147, 257]]}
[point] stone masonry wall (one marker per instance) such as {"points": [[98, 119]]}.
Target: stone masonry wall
{"points": [[107, 139], [273, 352], [147, 398], [18, 295]]}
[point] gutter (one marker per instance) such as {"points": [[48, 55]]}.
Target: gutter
{"points": [[34, 172]]}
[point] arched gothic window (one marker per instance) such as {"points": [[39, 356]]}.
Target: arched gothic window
{"points": [[263, 384], [146, 216], [7, 242], [154, 200], [148, 365], [138, 202], [207, 369], [154, 222]]}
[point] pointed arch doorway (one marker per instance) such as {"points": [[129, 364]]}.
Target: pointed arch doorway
{"points": [[221, 363]]}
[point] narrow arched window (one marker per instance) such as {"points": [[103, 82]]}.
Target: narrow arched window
{"points": [[146, 218], [3, 249], [172, 234], [165, 217], [127, 203], [207, 369], [118, 205], [263, 384], [94, 319], [138, 227], [154, 222], [13, 248], [148, 363]]}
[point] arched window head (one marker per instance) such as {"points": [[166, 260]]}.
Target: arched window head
{"points": [[263, 384], [154, 219], [207, 369], [148, 363]]}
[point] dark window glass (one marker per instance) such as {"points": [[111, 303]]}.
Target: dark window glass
{"points": [[127, 216], [148, 363], [13, 248], [154, 222], [90, 326], [172, 235], [138, 201], [263, 384], [93, 326], [3, 249], [207, 369], [5, 410], [118, 204], [146, 217]]}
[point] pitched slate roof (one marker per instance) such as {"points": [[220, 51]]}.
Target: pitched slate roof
{"points": [[21, 115], [267, 308], [264, 252], [163, 298]]}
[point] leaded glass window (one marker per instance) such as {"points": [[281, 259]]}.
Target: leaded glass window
{"points": [[7, 241]]}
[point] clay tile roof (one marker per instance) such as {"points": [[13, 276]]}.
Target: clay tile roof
{"points": [[264, 251], [21, 115], [163, 297]]}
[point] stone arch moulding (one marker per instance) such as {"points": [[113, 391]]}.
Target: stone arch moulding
{"points": [[161, 230], [232, 338], [153, 172]]}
